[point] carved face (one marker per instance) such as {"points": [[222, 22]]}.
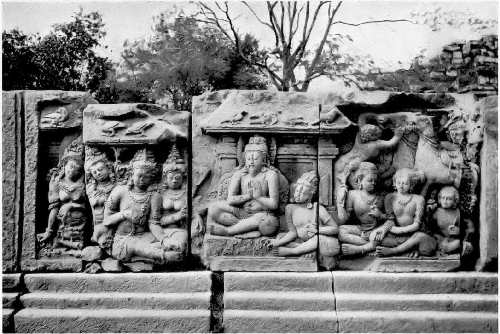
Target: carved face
{"points": [[457, 135], [141, 178], [100, 171], [370, 132], [173, 179], [447, 198], [303, 192], [403, 184], [73, 169], [368, 182], [254, 160]]}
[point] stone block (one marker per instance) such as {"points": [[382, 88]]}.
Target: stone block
{"points": [[416, 322], [275, 281], [111, 321], [280, 300], [11, 282], [400, 264], [237, 321], [269, 263], [196, 281], [117, 300], [10, 299], [7, 320], [411, 283]]}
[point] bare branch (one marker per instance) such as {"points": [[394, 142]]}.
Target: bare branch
{"points": [[257, 17], [373, 21]]}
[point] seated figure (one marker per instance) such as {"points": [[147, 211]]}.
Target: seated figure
{"points": [[253, 197], [172, 228], [304, 236], [131, 210], [447, 224], [369, 225], [407, 210]]}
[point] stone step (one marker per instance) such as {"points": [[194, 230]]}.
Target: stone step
{"points": [[196, 281], [33, 320], [271, 321], [10, 299], [7, 314], [278, 281], [279, 300], [11, 282], [109, 300], [415, 283], [417, 322], [416, 302]]}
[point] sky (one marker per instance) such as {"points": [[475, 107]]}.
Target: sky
{"points": [[391, 45]]}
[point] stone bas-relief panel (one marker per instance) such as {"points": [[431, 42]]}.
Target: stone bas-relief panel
{"points": [[261, 205]]}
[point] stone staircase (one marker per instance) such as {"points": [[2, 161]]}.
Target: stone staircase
{"points": [[127, 302], [416, 302], [360, 302], [11, 290]]}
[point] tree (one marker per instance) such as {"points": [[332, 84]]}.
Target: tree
{"points": [[292, 25], [64, 59], [183, 59]]}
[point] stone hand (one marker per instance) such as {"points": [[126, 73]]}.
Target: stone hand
{"points": [[182, 213], [453, 230], [399, 131], [99, 230], [127, 214], [253, 206], [467, 248], [311, 229], [375, 212]]}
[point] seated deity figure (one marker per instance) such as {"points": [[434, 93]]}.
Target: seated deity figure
{"points": [[172, 227], [447, 224], [370, 224], [407, 211], [304, 234], [131, 210], [67, 202], [367, 146], [253, 197], [100, 181]]}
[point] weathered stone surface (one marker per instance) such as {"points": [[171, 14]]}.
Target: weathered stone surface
{"points": [[116, 300], [7, 320], [10, 299], [279, 300], [400, 264], [11, 182], [270, 321], [454, 302], [405, 283], [111, 265], [265, 263], [488, 206], [417, 322], [275, 281], [11, 282], [130, 282], [111, 320], [92, 253]]}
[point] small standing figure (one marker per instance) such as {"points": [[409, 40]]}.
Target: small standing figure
{"points": [[67, 210], [100, 181], [253, 197], [131, 210], [173, 223], [304, 236], [407, 210], [371, 226], [447, 223], [367, 146]]}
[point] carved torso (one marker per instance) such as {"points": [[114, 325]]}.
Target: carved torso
{"points": [[448, 222], [361, 202]]}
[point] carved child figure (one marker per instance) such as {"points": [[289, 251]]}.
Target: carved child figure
{"points": [[302, 236], [447, 224], [67, 209], [406, 210], [253, 196], [370, 222]]}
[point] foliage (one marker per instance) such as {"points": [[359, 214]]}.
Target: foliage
{"points": [[64, 59], [292, 63], [184, 59]]}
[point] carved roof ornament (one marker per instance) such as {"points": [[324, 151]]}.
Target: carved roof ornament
{"points": [[273, 112], [132, 124]]}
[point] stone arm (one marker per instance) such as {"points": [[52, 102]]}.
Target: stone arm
{"points": [[271, 202], [54, 205], [292, 233], [327, 226], [154, 217], [417, 221], [385, 144], [112, 215], [234, 189], [345, 207]]}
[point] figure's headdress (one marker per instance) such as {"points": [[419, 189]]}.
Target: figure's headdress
{"points": [[414, 175], [174, 162], [257, 143], [73, 151], [311, 178], [144, 159], [94, 155], [369, 132], [452, 189]]}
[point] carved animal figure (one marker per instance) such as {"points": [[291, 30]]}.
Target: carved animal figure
{"points": [[139, 129], [110, 127], [55, 118]]}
